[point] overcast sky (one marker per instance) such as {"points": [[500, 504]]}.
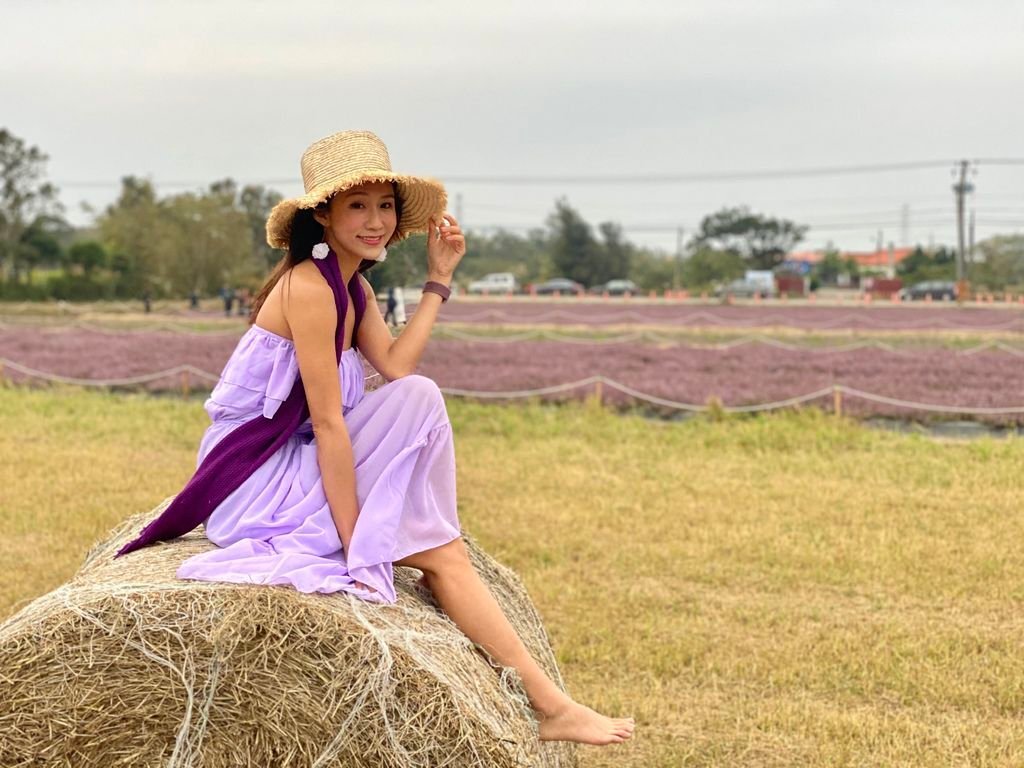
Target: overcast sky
{"points": [[187, 92]]}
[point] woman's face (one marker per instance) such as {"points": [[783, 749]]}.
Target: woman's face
{"points": [[360, 221]]}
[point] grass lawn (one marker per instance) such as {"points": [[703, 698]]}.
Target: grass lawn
{"points": [[789, 590]]}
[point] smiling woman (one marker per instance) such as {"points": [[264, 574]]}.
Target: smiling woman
{"points": [[360, 218], [306, 480]]}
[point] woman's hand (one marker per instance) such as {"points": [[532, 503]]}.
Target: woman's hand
{"points": [[445, 248]]}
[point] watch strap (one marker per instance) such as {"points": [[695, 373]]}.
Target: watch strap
{"points": [[440, 289]]}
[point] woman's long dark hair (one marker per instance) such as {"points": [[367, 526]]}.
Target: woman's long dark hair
{"points": [[305, 233]]}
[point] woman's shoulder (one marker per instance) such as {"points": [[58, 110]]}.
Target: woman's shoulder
{"points": [[367, 288], [303, 282], [307, 271]]}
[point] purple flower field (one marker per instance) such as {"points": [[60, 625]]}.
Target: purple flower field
{"points": [[738, 376], [918, 317]]}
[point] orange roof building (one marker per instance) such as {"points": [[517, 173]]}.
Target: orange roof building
{"points": [[878, 258], [864, 259]]}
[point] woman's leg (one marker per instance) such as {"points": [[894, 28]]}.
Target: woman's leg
{"points": [[469, 603]]}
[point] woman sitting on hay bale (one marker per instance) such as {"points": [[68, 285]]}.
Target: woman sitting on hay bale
{"points": [[324, 488]]}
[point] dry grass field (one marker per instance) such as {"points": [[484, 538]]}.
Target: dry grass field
{"points": [[791, 590]]}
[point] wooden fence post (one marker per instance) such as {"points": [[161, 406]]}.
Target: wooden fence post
{"points": [[184, 384], [837, 400]]}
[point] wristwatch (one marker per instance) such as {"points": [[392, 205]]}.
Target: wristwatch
{"points": [[440, 289]]}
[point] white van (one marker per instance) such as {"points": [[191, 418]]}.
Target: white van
{"points": [[495, 283]]}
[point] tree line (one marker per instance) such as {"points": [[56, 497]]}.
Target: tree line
{"points": [[202, 241]]}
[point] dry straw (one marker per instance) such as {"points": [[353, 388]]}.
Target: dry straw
{"points": [[126, 665], [344, 160]]}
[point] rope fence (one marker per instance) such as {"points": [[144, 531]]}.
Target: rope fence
{"points": [[85, 326], [123, 382], [652, 337], [597, 383]]}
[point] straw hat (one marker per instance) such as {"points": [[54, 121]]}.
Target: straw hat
{"points": [[344, 160]]}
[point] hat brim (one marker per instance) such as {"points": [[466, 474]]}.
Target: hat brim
{"points": [[423, 198]]}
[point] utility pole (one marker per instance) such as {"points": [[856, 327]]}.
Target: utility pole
{"points": [[458, 208], [905, 225], [970, 240], [879, 242], [961, 189], [677, 277]]}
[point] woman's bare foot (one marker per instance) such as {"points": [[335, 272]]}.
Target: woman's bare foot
{"points": [[575, 722]]}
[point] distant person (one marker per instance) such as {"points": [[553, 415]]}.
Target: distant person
{"points": [[147, 301], [193, 300], [392, 302], [400, 318], [243, 301], [229, 300]]}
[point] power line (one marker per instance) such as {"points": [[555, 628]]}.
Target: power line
{"points": [[654, 228], [883, 217], [711, 176], [648, 178], [947, 223], [173, 183]]}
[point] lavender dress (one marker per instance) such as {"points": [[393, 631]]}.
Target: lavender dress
{"points": [[276, 528]]}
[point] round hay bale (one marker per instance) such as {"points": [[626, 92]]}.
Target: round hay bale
{"points": [[126, 665]]}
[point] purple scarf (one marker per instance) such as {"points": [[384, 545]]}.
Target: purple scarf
{"points": [[233, 460]]}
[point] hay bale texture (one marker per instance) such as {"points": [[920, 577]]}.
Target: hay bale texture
{"points": [[125, 665]]}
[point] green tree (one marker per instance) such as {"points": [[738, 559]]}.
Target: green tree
{"points": [[617, 254], [706, 266], [180, 243], [578, 255], [133, 230], [87, 255], [574, 250], [256, 202], [827, 271], [921, 265], [761, 241], [209, 241], [1001, 263], [651, 271], [525, 256], [26, 201], [41, 243]]}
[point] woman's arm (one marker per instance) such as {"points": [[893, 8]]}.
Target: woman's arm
{"points": [[397, 357], [312, 318], [392, 357]]}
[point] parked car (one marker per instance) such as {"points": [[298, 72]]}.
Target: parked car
{"points": [[936, 289], [496, 282], [558, 285], [616, 288]]}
